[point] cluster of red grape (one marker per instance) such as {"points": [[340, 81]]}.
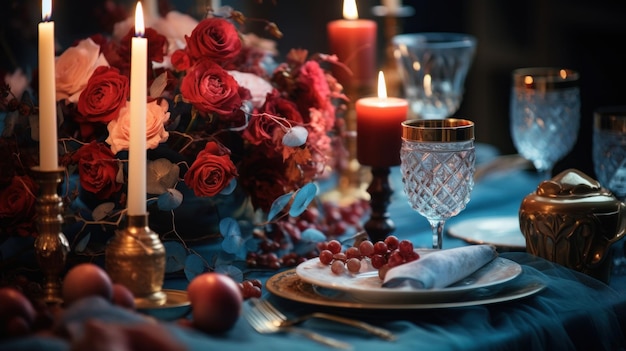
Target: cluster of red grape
{"points": [[335, 221], [251, 288], [382, 255]]}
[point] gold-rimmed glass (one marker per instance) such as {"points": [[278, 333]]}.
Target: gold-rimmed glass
{"points": [[437, 161]]}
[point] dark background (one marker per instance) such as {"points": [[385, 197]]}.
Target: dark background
{"points": [[586, 36]]}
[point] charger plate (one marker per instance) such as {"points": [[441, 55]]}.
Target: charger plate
{"points": [[367, 286], [288, 285]]}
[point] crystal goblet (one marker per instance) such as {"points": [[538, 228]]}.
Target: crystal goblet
{"points": [[437, 161], [609, 161], [609, 148], [544, 115], [433, 67]]}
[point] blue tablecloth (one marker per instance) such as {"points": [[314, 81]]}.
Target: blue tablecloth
{"points": [[574, 311]]}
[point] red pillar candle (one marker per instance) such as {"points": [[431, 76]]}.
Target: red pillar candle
{"points": [[353, 40], [379, 130]]}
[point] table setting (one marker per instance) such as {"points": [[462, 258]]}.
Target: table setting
{"points": [[279, 204]]}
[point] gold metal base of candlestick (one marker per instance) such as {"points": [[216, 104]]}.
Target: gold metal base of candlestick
{"points": [[135, 257], [51, 245]]}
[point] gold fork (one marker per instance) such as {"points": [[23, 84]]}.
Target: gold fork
{"points": [[261, 322], [278, 318]]}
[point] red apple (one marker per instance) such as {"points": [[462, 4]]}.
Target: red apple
{"points": [[123, 297], [216, 302], [84, 280], [17, 313]]}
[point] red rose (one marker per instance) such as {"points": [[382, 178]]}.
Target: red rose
{"points": [[98, 168], [106, 93], [211, 89], [262, 129], [212, 170], [180, 60], [214, 38], [157, 49], [263, 179], [17, 207]]}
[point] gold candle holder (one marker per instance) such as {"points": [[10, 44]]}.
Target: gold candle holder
{"points": [[51, 245], [135, 257]]}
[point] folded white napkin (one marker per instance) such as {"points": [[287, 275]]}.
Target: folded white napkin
{"points": [[440, 268]]}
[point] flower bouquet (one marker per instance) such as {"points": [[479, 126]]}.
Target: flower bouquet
{"points": [[236, 142]]}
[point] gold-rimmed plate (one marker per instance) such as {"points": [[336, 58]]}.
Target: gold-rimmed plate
{"points": [[367, 286], [288, 285]]}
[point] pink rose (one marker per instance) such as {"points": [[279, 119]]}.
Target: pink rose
{"points": [[75, 66], [156, 116], [257, 86]]}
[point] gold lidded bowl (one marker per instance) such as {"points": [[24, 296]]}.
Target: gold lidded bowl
{"points": [[573, 221]]}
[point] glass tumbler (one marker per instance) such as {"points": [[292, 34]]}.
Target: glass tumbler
{"points": [[437, 162], [433, 67]]}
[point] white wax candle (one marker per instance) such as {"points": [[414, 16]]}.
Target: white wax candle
{"points": [[48, 153], [138, 101]]}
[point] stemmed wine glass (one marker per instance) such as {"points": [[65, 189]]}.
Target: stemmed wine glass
{"points": [[545, 115], [433, 67], [437, 160], [609, 161]]}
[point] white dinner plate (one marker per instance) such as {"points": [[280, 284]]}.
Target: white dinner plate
{"points": [[502, 232], [288, 285], [367, 286]]}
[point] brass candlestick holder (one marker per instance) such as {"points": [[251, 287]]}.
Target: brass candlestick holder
{"points": [[51, 245], [379, 225], [135, 257]]}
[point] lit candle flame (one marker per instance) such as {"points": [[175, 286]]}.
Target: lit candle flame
{"points": [[139, 26], [46, 10], [350, 12], [382, 88]]}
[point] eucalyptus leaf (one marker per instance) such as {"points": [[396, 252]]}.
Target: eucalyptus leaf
{"points": [[161, 175], [169, 200], [295, 136], [303, 198], [235, 273], [278, 205], [229, 227], [176, 254], [194, 266], [229, 188], [82, 243], [102, 211]]}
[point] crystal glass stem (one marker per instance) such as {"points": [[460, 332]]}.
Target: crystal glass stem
{"points": [[437, 228]]}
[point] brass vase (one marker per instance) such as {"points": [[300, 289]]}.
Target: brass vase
{"points": [[135, 257]]}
